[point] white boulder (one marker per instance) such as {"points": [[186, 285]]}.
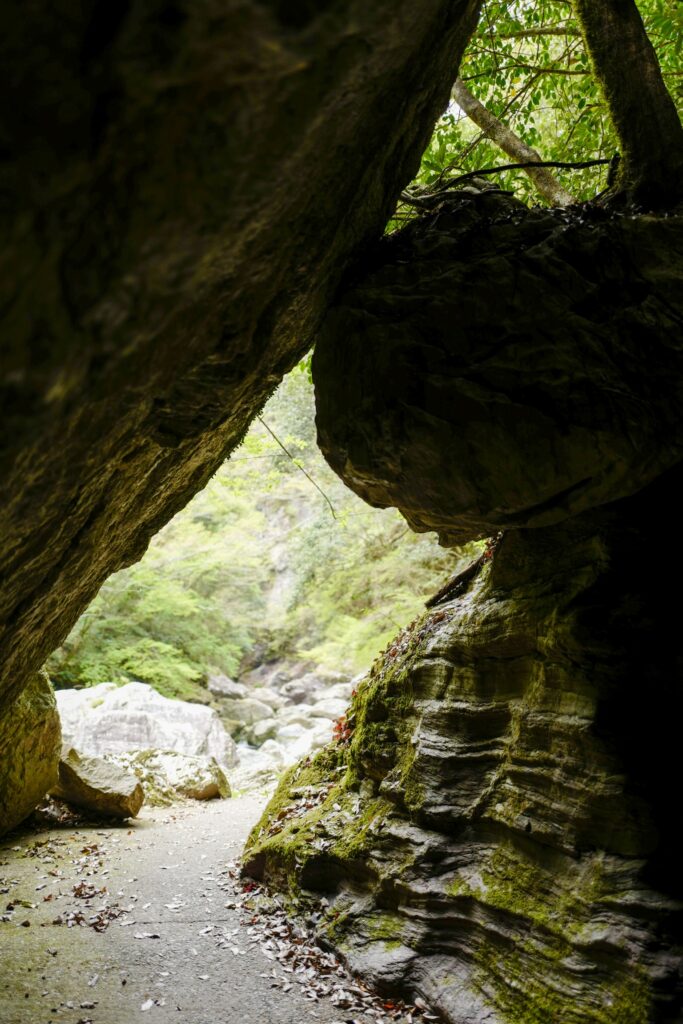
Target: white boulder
{"points": [[268, 696], [110, 719], [329, 708], [165, 775], [223, 686]]}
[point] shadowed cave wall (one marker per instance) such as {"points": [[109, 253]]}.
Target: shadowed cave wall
{"points": [[182, 185]]}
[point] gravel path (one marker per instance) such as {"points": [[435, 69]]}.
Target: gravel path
{"points": [[169, 948]]}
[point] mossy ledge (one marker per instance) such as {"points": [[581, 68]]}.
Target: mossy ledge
{"points": [[497, 835]]}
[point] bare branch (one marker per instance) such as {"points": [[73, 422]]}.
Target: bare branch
{"points": [[546, 183], [428, 199]]}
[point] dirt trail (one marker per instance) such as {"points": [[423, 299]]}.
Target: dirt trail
{"points": [[167, 871]]}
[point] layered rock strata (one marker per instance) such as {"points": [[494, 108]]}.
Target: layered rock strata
{"points": [[492, 367], [499, 834], [182, 186]]}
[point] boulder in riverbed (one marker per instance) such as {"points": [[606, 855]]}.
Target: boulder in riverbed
{"points": [[110, 719], [223, 686], [98, 785], [167, 775], [268, 696], [247, 711], [329, 707]]}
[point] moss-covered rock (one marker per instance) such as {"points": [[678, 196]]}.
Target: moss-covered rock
{"points": [[30, 745], [498, 833]]}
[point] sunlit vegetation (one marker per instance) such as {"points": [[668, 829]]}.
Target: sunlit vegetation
{"points": [[260, 565], [527, 64]]}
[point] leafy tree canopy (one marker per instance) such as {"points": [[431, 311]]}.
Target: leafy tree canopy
{"points": [[527, 64]]}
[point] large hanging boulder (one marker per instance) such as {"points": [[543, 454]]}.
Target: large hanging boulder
{"points": [[30, 743], [491, 366]]}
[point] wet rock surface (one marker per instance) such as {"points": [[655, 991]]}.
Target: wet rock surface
{"points": [[30, 744], [491, 366], [496, 833], [98, 786]]}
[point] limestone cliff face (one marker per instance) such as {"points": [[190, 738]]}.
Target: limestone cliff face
{"points": [[499, 835], [181, 185], [493, 367]]}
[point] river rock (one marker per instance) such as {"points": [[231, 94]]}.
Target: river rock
{"points": [[30, 742], [247, 711], [295, 691], [222, 686], [300, 713], [339, 691], [260, 768], [329, 707], [98, 785], [109, 719], [268, 696], [259, 732], [167, 774]]}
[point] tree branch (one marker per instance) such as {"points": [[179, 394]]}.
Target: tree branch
{"points": [[545, 181], [641, 108], [531, 33], [428, 199]]}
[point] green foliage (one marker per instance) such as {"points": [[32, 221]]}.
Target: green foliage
{"points": [[261, 559], [185, 610], [527, 64]]}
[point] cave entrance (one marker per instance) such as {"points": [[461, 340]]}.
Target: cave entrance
{"points": [[224, 656], [239, 634]]}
